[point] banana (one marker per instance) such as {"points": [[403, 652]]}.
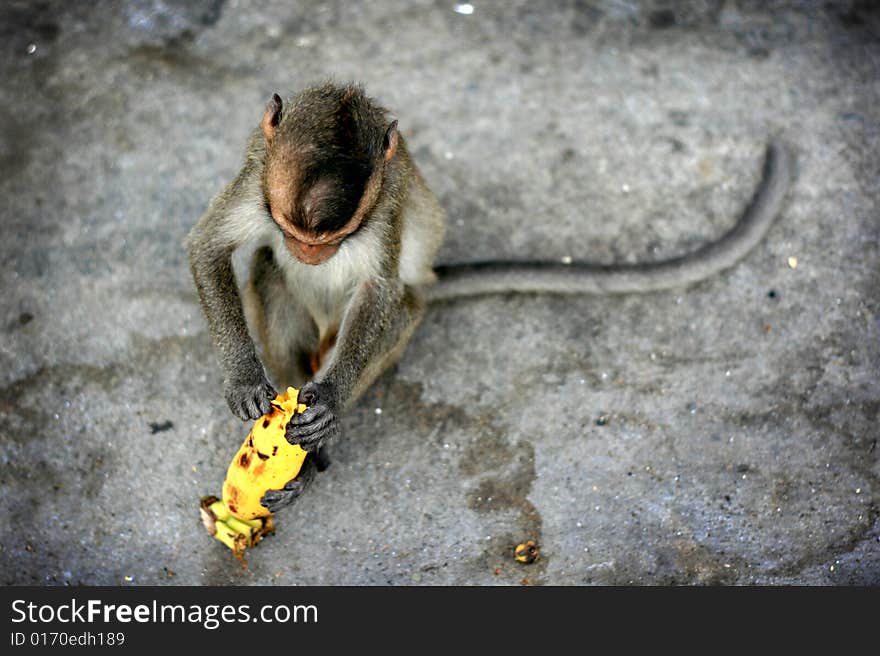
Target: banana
{"points": [[265, 461]]}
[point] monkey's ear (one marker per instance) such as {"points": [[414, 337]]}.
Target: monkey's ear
{"points": [[389, 144], [271, 118]]}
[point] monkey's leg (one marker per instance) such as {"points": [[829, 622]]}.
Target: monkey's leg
{"points": [[284, 328], [378, 323], [322, 459]]}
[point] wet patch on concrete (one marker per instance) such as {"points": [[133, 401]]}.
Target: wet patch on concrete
{"points": [[172, 21], [193, 70], [75, 437], [500, 485], [490, 473], [677, 562]]}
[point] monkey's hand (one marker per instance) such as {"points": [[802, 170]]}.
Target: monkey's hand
{"points": [[312, 428], [275, 500], [248, 393]]}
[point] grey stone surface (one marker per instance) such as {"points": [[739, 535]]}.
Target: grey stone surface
{"points": [[725, 433]]}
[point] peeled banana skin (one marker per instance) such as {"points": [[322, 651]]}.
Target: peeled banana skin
{"points": [[265, 461]]}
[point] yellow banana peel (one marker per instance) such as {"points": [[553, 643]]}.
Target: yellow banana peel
{"points": [[265, 461]]}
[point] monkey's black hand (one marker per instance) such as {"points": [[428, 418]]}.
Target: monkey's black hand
{"points": [[319, 422], [249, 393], [275, 500]]}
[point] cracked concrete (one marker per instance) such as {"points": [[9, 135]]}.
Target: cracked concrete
{"points": [[724, 433]]}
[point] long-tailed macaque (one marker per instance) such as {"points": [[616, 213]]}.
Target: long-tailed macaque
{"points": [[347, 232]]}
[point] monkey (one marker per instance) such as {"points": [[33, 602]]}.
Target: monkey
{"points": [[346, 233]]}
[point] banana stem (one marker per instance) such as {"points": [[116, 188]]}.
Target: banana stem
{"points": [[237, 534], [217, 508]]}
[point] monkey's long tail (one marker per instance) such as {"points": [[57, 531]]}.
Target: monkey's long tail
{"points": [[461, 280]]}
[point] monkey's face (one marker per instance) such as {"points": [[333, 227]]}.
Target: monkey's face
{"points": [[315, 205], [324, 171], [307, 245], [316, 222]]}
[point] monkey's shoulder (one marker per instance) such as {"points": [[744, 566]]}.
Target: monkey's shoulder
{"points": [[423, 224]]}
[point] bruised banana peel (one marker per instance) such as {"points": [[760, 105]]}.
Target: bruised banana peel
{"points": [[266, 461]]}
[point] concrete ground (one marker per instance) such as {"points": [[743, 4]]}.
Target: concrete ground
{"points": [[724, 433]]}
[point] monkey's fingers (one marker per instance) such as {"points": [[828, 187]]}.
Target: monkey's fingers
{"points": [[251, 407], [239, 409], [258, 406], [315, 441], [304, 430], [251, 401], [317, 434], [314, 394], [311, 415]]}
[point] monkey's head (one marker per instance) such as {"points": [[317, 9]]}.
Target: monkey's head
{"points": [[326, 155]]}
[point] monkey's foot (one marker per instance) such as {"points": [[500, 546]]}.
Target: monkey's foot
{"points": [[275, 500]]}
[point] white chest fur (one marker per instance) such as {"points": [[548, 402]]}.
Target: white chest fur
{"points": [[324, 290]]}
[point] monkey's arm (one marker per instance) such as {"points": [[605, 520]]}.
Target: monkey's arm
{"points": [[232, 219], [379, 321], [455, 281]]}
